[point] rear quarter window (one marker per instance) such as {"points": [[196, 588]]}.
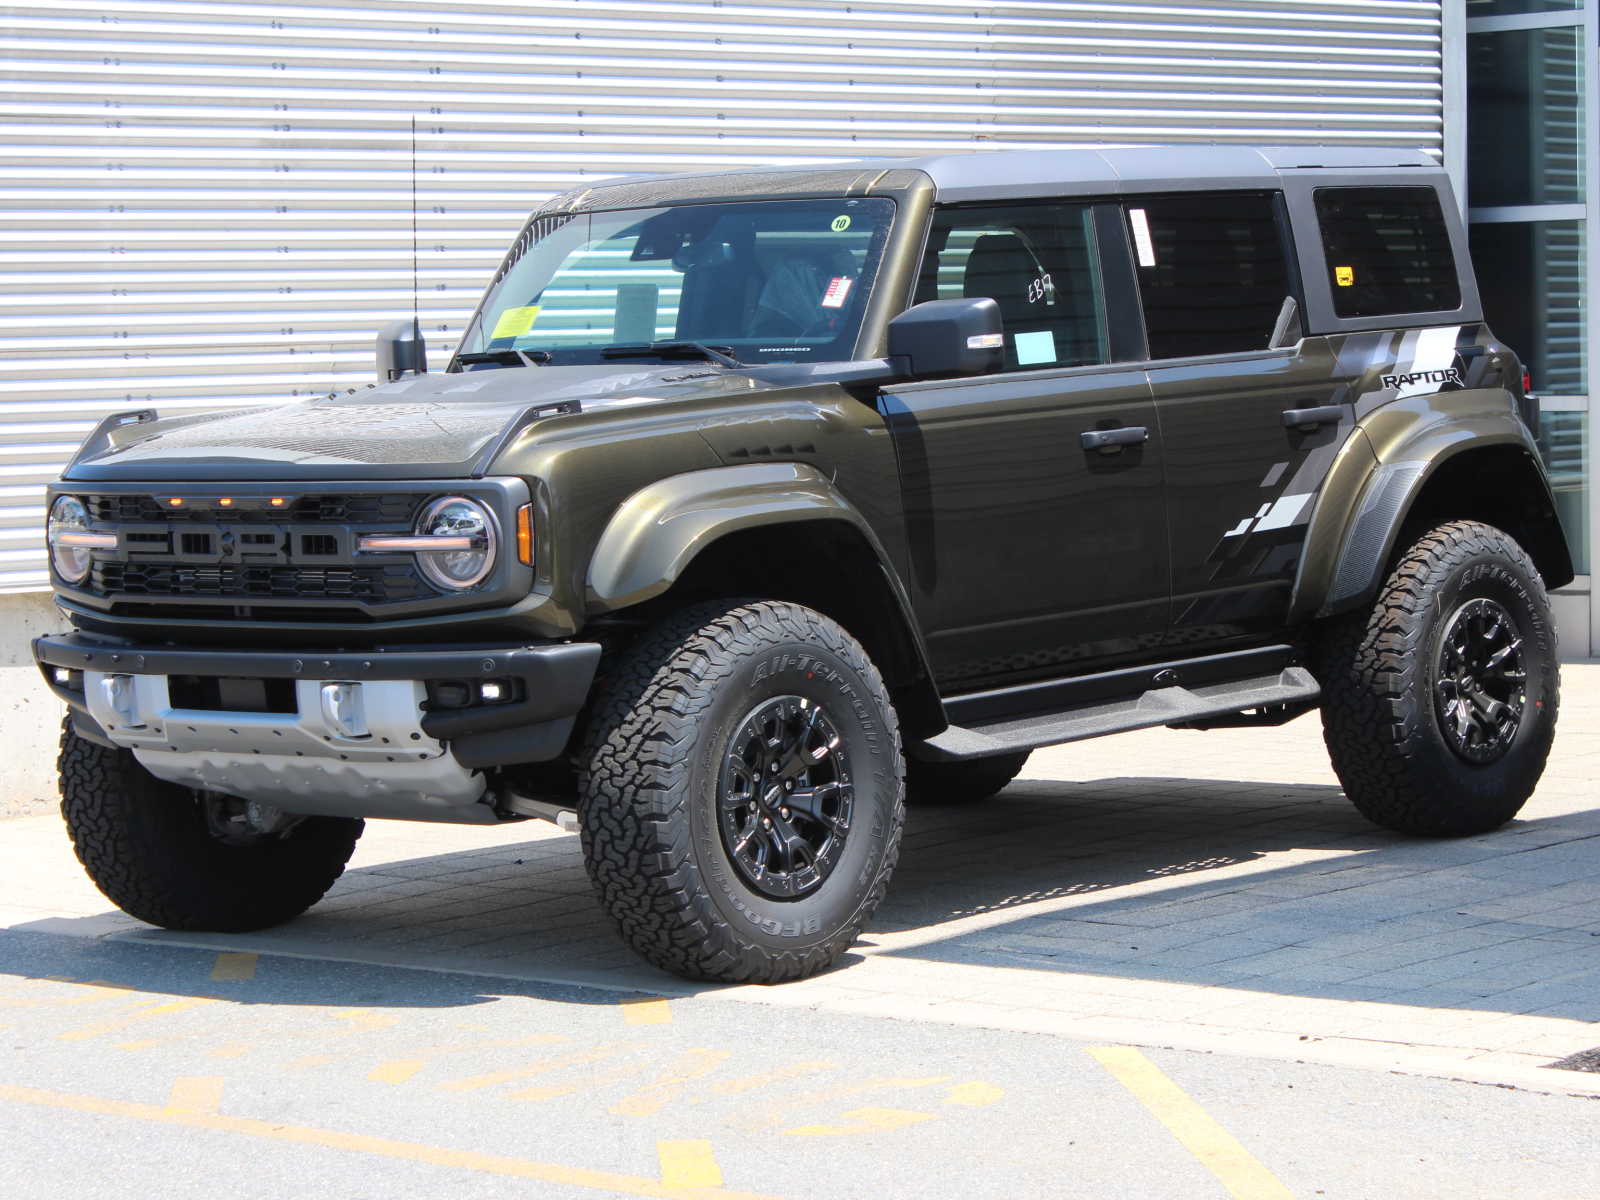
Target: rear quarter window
{"points": [[1388, 251]]}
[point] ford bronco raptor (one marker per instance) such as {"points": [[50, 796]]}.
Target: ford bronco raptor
{"points": [[755, 505]]}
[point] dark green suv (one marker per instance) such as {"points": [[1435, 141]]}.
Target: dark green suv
{"points": [[756, 505]]}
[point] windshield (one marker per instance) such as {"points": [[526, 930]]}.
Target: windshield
{"points": [[764, 281]]}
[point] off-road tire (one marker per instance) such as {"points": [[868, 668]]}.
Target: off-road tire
{"points": [[1379, 671], [940, 783], [146, 844], [648, 799]]}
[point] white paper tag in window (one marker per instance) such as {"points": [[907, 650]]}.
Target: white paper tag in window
{"points": [[838, 291], [1036, 347], [1142, 245]]}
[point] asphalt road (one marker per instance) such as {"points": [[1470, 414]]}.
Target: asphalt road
{"points": [[136, 1069]]}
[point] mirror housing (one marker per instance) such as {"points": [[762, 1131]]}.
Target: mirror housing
{"points": [[949, 337], [401, 350]]}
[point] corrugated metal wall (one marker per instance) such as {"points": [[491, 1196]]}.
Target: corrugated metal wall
{"points": [[206, 204]]}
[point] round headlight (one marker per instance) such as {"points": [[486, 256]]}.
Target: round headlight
{"points": [[68, 515], [457, 517]]}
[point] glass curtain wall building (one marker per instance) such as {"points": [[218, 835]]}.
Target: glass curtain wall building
{"points": [[1531, 117]]}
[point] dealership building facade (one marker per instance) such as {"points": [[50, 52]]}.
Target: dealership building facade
{"points": [[211, 204]]}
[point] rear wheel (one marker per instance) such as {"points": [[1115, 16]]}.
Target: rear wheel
{"points": [[1439, 706], [741, 802], [186, 860], [930, 783]]}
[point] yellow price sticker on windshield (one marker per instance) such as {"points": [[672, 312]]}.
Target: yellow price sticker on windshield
{"points": [[515, 322], [1344, 276]]}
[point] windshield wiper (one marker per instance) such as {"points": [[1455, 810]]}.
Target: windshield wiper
{"points": [[716, 354], [506, 357]]}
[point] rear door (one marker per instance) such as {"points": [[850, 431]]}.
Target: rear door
{"points": [[1249, 430], [1030, 554]]}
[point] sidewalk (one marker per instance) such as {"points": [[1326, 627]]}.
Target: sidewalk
{"points": [[1197, 890]]}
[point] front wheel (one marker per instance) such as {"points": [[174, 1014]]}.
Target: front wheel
{"points": [[1439, 706], [742, 795], [182, 860]]}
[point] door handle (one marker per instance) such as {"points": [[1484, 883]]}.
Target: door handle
{"points": [[1310, 418], [1112, 440]]}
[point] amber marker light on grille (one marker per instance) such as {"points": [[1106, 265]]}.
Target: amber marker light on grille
{"points": [[277, 502], [225, 502], [525, 535], [175, 501]]}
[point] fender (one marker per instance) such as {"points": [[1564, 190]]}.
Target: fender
{"points": [[656, 533], [1375, 481]]}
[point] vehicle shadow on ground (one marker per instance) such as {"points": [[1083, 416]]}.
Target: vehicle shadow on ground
{"points": [[1506, 921], [1274, 888]]}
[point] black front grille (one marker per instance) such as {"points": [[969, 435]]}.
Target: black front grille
{"points": [[372, 508], [364, 585]]}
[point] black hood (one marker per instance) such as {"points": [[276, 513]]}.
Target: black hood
{"points": [[422, 427]]}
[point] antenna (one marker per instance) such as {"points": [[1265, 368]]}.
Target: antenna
{"points": [[415, 286]]}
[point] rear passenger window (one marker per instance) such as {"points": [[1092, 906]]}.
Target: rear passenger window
{"points": [[1212, 277], [1388, 251], [1036, 262]]}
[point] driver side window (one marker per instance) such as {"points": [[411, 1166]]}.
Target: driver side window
{"points": [[1036, 261]]}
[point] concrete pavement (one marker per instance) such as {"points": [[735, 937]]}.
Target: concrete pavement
{"points": [[1210, 891]]}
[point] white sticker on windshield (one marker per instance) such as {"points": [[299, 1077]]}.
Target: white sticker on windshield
{"points": [[838, 291], [1142, 245], [1036, 347]]}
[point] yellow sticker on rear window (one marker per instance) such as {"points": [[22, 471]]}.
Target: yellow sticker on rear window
{"points": [[840, 223], [515, 322], [1344, 276]]}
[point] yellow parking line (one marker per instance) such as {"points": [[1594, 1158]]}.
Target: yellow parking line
{"points": [[196, 1094], [863, 1120], [1239, 1171], [84, 1032], [651, 1099], [647, 1010], [688, 1164], [537, 1067], [975, 1093], [234, 967], [306, 1135], [401, 1070]]}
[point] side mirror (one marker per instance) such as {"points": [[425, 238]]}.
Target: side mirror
{"points": [[401, 350], [949, 337]]}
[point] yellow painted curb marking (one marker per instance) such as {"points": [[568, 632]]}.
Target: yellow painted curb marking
{"points": [[196, 1094], [234, 967], [1240, 1172], [864, 1120], [688, 1165], [84, 1032], [647, 1010], [306, 1135]]}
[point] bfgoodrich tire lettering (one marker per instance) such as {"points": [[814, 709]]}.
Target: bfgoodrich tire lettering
{"points": [[147, 846], [1385, 716], [655, 846]]}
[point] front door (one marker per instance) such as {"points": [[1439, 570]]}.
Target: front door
{"points": [[1031, 553]]}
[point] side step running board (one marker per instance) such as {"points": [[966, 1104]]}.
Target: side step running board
{"points": [[997, 732]]}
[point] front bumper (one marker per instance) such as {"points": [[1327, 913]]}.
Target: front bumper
{"points": [[348, 734]]}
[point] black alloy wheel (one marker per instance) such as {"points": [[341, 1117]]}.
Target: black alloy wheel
{"points": [[1480, 693], [785, 797]]}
